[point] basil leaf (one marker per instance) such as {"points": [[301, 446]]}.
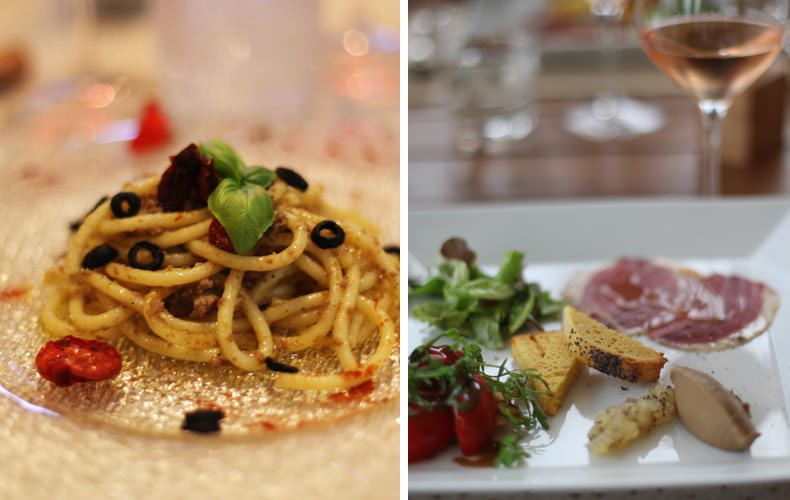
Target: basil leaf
{"points": [[240, 202], [227, 163], [258, 175], [245, 211]]}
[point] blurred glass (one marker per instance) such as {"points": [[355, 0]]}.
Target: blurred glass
{"points": [[713, 51], [494, 74], [55, 34], [363, 64], [239, 58], [436, 32], [62, 102], [611, 114]]}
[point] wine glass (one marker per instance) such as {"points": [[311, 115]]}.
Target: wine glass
{"points": [[713, 50], [611, 114]]}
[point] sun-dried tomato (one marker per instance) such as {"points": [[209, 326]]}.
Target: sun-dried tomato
{"points": [[218, 237], [71, 360], [188, 181]]}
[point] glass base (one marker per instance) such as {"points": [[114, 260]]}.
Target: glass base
{"points": [[493, 133], [613, 118]]}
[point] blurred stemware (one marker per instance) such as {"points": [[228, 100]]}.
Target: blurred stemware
{"points": [[493, 77], [611, 115], [713, 50], [67, 100]]}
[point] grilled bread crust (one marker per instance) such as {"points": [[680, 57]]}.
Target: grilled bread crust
{"points": [[610, 352]]}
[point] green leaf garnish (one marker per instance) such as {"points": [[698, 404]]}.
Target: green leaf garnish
{"points": [[226, 162], [258, 175], [510, 452], [489, 309], [240, 202], [245, 211]]}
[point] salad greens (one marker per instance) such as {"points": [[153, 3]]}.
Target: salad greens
{"points": [[489, 309], [241, 201]]}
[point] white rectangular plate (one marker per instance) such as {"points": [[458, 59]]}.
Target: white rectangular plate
{"points": [[743, 236]]}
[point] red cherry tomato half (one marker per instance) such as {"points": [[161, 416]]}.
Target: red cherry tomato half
{"points": [[154, 129], [443, 353], [429, 432], [71, 360], [476, 425], [218, 237]]}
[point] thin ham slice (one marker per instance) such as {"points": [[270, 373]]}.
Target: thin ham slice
{"points": [[674, 306]]}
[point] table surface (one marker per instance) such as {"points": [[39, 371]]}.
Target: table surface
{"points": [[552, 163]]}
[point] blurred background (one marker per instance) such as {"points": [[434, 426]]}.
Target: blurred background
{"points": [[557, 100], [99, 86]]}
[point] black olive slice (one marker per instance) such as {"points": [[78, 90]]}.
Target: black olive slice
{"points": [[291, 178], [157, 256], [202, 420], [125, 204], [393, 249], [337, 238], [276, 366], [99, 256]]}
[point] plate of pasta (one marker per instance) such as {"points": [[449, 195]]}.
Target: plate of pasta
{"points": [[297, 324]]}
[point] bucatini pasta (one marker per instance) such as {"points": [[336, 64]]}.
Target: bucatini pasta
{"points": [[166, 279]]}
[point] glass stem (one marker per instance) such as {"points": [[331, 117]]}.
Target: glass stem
{"points": [[712, 113], [608, 16]]}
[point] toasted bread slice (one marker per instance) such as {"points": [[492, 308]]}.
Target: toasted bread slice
{"points": [[547, 353], [608, 351]]}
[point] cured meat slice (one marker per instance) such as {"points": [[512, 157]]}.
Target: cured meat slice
{"points": [[674, 306], [628, 296]]}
